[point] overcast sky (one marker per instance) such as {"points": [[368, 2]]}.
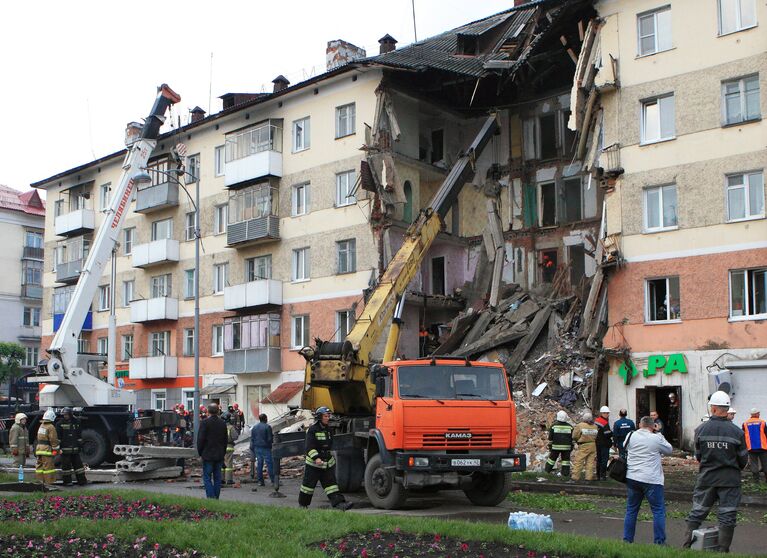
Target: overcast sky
{"points": [[74, 73]]}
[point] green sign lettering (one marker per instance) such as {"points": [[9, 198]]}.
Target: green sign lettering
{"points": [[655, 363], [676, 363]]}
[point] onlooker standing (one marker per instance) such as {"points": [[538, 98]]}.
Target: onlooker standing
{"points": [[720, 447], [19, 440], [211, 446], [622, 427], [644, 479], [755, 430], [585, 433], [261, 440], [560, 444], [731, 414], [659, 426], [604, 441]]}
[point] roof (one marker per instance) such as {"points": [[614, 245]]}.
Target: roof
{"points": [[25, 202], [283, 393]]}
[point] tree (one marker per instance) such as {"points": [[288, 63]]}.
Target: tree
{"points": [[11, 356]]}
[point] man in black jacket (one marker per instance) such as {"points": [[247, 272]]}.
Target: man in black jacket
{"points": [[211, 446], [720, 448], [71, 442], [261, 440]]}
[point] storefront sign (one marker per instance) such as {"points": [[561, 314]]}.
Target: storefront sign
{"points": [[655, 363]]}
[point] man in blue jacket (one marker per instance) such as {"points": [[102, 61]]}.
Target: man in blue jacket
{"points": [[261, 439], [622, 427]]}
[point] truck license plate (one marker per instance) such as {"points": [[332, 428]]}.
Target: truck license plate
{"points": [[465, 462]]}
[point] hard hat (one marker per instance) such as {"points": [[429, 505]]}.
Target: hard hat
{"points": [[604, 409], [181, 407], [588, 417], [671, 395], [66, 411], [19, 417], [49, 415], [236, 406], [719, 399], [754, 411], [321, 411], [561, 416], [731, 410]]}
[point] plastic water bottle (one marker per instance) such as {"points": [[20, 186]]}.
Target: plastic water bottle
{"points": [[21, 473]]}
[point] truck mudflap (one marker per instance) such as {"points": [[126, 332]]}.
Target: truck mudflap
{"points": [[460, 463]]}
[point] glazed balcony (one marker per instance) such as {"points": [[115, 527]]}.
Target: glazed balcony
{"points": [[253, 153]]}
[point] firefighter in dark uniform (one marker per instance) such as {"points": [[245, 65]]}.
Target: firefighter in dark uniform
{"points": [[320, 464], [560, 444], [71, 442], [720, 447]]}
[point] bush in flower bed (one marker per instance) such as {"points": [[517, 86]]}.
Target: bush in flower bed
{"points": [[73, 546], [101, 506], [397, 544]]}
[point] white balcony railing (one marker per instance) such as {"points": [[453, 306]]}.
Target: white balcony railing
{"points": [[160, 308], [155, 252], [75, 222], [254, 293], [150, 368]]}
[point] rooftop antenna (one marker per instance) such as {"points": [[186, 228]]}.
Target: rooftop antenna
{"points": [[415, 32]]}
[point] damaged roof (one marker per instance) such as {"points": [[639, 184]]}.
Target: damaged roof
{"points": [[284, 392]]}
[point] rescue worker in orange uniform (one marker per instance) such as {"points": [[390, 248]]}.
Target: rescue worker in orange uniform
{"points": [[755, 430], [46, 448]]}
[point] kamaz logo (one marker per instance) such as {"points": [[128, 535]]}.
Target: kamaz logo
{"points": [[458, 435]]}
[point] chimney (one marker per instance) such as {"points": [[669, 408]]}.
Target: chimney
{"points": [[280, 83], [340, 52], [197, 114], [388, 44]]}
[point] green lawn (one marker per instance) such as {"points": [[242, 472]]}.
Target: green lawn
{"points": [[285, 532]]}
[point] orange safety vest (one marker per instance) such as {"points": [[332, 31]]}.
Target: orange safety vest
{"points": [[756, 438]]}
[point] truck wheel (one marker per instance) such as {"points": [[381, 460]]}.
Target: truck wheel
{"points": [[350, 470], [383, 491], [95, 448], [489, 489]]}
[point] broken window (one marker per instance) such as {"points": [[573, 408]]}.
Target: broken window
{"points": [[658, 116], [662, 302], [547, 125], [577, 256], [407, 210], [547, 203], [748, 293], [546, 136], [438, 275], [569, 136], [573, 200], [548, 265], [660, 208], [437, 145]]}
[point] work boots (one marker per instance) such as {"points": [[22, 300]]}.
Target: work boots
{"points": [[688, 538], [725, 537]]}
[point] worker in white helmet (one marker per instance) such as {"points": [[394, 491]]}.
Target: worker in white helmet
{"points": [[604, 441], [720, 447], [731, 414], [47, 448], [18, 439], [560, 444]]}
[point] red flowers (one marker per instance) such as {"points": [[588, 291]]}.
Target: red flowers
{"points": [[29, 547]]}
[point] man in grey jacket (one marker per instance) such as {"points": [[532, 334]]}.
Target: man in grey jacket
{"points": [[261, 440], [644, 479], [720, 448]]}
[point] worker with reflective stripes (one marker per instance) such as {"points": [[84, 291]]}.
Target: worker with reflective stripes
{"points": [[585, 435], [755, 430], [47, 447], [320, 464], [71, 441], [720, 447], [560, 444], [18, 440], [229, 456]]}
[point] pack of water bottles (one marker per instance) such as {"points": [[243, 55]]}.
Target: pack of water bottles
{"points": [[524, 521]]}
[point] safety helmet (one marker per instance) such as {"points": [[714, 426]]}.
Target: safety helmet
{"points": [[180, 407], [588, 417], [236, 406], [561, 416], [731, 411], [202, 407], [719, 399], [49, 415], [604, 409], [19, 417], [321, 411], [66, 411]]}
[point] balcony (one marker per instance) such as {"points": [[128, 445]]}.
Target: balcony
{"points": [[32, 253], [259, 229], [151, 368], [69, 272], [156, 197], [254, 153], [255, 293], [32, 291], [155, 252], [87, 323], [246, 361], [75, 222], [160, 308]]}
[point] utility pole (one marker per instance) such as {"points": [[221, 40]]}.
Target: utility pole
{"points": [[196, 422]]}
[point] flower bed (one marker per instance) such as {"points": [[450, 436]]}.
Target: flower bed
{"points": [[71, 546], [396, 544], [102, 506]]}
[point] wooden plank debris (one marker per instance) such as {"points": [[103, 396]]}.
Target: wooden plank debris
{"points": [[521, 350]]}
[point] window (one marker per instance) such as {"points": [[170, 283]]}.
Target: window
{"points": [[31, 356], [438, 275], [33, 239], [220, 277], [32, 272], [105, 191], [547, 204], [217, 340], [748, 293], [300, 199], [740, 100], [347, 256], [162, 229], [301, 265], [189, 227], [258, 268], [660, 208], [160, 343], [58, 208], [662, 300], [193, 168], [189, 283], [437, 145], [31, 317], [549, 263], [658, 119], [301, 134], [345, 189], [300, 335], [220, 160], [745, 196], [736, 15], [252, 332], [102, 345], [654, 31], [82, 344], [104, 296], [266, 136], [573, 200], [188, 398], [548, 137], [220, 218], [127, 347], [345, 120], [189, 341], [344, 324], [129, 236], [253, 202], [161, 285], [159, 398], [128, 288]]}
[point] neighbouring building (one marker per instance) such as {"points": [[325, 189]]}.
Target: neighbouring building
{"points": [[22, 219], [680, 89]]}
